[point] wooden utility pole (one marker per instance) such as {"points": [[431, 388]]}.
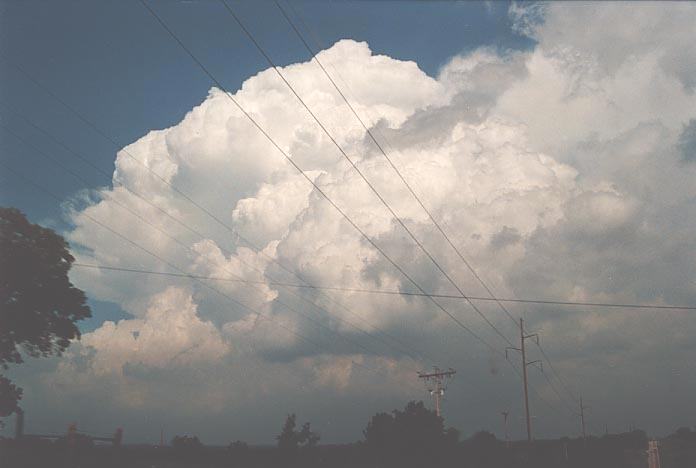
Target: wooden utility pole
{"points": [[523, 352], [436, 384]]}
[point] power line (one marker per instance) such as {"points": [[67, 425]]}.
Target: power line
{"points": [[400, 293], [309, 179], [357, 169]]}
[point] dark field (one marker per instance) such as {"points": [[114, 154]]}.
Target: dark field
{"points": [[613, 451]]}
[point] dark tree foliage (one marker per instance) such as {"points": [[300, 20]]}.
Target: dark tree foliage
{"points": [[39, 304], [307, 437], [290, 440], [412, 437], [9, 397], [238, 446], [287, 439], [683, 433], [186, 442]]}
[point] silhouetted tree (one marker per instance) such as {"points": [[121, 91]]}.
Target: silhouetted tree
{"points": [[238, 446], [380, 431], [186, 442], [683, 433], [10, 395], [413, 437], [289, 439], [308, 438], [679, 448], [39, 304]]}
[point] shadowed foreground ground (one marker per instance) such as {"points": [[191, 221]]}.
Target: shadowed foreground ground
{"points": [[609, 451]]}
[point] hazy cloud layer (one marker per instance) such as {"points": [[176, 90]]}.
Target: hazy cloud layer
{"points": [[565, 172]]}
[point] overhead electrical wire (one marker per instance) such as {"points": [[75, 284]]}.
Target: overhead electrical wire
{"points": [[398, 293]]}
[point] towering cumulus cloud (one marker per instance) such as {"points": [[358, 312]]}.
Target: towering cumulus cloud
{"points": [[559, 171]]}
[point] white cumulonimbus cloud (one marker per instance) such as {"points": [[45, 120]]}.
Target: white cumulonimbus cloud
{"points": [[557, 171]]}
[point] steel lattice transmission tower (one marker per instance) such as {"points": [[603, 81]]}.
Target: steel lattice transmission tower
{"points": [[436, 383]]}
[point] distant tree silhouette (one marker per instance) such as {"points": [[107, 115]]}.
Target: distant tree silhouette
{"points": [[413, 437], [186, 442], [633, 439], [10, 395], [683, 433], [308, 438], [679, 448], [290, 440], [238, 446], [287, 439], [39, 304]]}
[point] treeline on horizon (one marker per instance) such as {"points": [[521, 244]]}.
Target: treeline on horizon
{"points": [[412, 437]]}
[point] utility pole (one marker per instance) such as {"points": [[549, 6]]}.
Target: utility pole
{"points": [[436, 384], [524, 377], [505, 423], [523, 352]]}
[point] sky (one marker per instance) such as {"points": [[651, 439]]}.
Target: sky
{"points": [[555, 144]]}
